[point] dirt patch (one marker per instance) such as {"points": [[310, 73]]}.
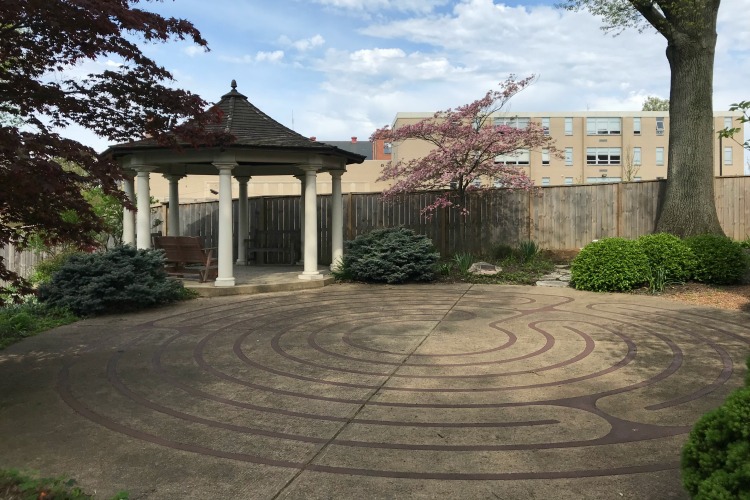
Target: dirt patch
{"points": [[736, 298]]}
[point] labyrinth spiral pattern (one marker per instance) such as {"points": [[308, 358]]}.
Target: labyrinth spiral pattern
{"points": [[440, 382]]}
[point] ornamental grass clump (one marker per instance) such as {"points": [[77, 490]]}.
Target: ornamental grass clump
{"points": [[669, 255], [610, 265], [121, 279], [716, 456], [720, 260], [390, 255]]}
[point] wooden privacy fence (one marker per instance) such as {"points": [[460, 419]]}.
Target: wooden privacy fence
{"points": [[556, 218]]}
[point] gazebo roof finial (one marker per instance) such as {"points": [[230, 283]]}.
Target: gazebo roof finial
{"points": [[234, 84]]}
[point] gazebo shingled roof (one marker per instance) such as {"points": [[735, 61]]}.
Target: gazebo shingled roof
{"points": [[251, 128]]}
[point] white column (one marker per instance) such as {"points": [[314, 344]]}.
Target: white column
{"points": [[143, 198], [226, 267], [301, 217], [128, 216], [337, 219], [243, 222], [173, 218], [311, 226]]}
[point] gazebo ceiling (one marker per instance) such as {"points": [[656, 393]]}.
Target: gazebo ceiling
{"points": [[260, 146]]}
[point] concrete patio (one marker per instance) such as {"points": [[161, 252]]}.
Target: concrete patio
{"points": [[354, 391], [261, 279]]}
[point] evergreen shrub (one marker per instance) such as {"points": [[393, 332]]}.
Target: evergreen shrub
{"points": [[390, 255], [121, 279], [668, 252], [716, 456], [610, 265], [720, 260]]}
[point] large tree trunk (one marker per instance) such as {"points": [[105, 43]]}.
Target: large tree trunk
{"points": [[688, 207]]}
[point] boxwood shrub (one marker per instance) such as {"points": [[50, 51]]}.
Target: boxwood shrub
{"points": [[121, 279], [389, 255], [720, 260], [610, 265], [716, 456], [670, 253]]}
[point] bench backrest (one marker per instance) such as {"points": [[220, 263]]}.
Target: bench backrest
{"points": [[186, 249]]}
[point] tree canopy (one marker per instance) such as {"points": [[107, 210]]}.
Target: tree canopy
{"points": [[467, 149], [689, 27], [41, 41], [653, 103]]}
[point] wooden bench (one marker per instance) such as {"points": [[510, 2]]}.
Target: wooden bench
{"points": [[278, 241], [185, 254]]}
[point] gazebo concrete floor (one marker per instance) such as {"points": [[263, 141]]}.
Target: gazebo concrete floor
{"points": [[260, 279], [355, 391]]}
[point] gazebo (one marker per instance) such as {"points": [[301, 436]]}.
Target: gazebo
{"points": [[261, 146]]}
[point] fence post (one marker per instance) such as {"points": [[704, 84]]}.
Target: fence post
{"points": [[530, 195], [444, 231], [350, 217], [618, 212]]}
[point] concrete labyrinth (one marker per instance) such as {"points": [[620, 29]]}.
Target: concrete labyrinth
{"points": [[420, 383]]}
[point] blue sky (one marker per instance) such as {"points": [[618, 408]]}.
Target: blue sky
{"points": [[340, 68]]}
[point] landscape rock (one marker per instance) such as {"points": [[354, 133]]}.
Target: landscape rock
{"points": [[484, 268]]}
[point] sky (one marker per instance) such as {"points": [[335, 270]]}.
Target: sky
{"points": [[334, 69]]}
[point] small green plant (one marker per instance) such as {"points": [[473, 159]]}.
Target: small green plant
{"points": [[18, 321], [669, 255], [657, 280], [121, 279], [745, 243], [445, 268], [45, 269], [610, 265], [720, 260], [716, 456], [390, 255], [16, 485], [463, 261], [501, 251], [527, 251]]}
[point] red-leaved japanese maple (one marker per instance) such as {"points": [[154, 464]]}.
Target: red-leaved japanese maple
{"points": [[40, 42], [466, 147]]}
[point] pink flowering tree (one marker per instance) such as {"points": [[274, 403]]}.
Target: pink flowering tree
{"points": [[467, 147]]}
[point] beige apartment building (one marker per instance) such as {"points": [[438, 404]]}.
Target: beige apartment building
{"points": [[596, 146], [593, 147]]}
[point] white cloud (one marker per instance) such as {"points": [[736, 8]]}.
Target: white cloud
{"points": [[275, 56], [423, 6], [303, 44], [194, 50]]}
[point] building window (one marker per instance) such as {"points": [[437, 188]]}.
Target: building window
{"points": [[387, 148], [477, 182], [511, 121], [545, 125], [518, 157], [637, 125], [660, 156], [569, 126], [545, 156], [660, 126], [603, 126], [636, 156], [636, 179], [568, 156], [568, 181], [727, 156], [727, 122], [603, 156], [602, 180], [545, 181]]}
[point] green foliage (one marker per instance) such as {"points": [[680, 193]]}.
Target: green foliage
{"points": [[716, 456], [745, 243], [463, 261], [501, 251], [657, 280], [527, 250], [445, 268], [45, 269], [121, 279], [18, 321], [653, 103], [669, 254], [610, 265], [390, 255], [16, 485], [720, 260]]}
